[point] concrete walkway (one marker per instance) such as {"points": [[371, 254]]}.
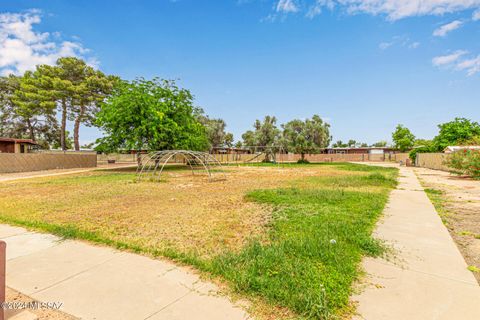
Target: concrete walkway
{"points": [[427, 278], [96, 282]]}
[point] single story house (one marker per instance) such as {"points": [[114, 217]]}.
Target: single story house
{"points": [[361, 150], [11, 145], [230, 150]]}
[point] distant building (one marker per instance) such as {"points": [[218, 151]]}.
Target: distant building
{"points": [[362, 150], [230, 150], [10, 145], [451, 149]]}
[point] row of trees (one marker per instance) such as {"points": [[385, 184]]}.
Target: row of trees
{"points": [[298, 136], [134, 115], [38, 104], [354, 144], [32, 104], [157, 114], [460, 131]]}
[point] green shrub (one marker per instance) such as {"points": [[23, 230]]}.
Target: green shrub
{"points": [[413, 154], [465, 162], [303, 161]]}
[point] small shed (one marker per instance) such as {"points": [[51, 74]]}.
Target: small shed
{"points": [[11, 145], [451, 149]]}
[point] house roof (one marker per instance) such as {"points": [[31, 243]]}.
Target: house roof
{"points": [[28, 141], [360, 148], [450, 149]]}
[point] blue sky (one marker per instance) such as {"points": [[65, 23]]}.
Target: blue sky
{"points": [[363, 65]]}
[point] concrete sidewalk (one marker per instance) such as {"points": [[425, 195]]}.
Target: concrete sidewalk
{"points": [[427, 278], [96, 282]]}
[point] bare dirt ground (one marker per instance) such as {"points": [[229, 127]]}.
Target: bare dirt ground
{"points": [[50, 314], [460, 204]]}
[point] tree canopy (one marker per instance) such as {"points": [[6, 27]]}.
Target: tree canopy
{"points": [[265, 133], [29, 103], [380, 144], [308, 136], [150, 114], [215, 130], [456, 132], [403, 139]]}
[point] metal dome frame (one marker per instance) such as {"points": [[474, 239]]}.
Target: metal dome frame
{"points": [[151, 165]]}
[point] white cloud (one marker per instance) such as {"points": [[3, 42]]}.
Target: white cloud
{"points": [[414, 45], [446, 28], [287, 6], [315, 9], [401, 40], [392, 9], [448, 59], [476, 15], [471, 66], [458, 61], [385, 45], [22, 47]]}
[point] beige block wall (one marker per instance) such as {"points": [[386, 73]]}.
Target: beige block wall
{"points": [[232, 158], [118, 157], [432, 161], [397, 157], [24, 162]]}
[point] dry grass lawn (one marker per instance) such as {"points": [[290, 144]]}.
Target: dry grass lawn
{"points": [[185, 213], [267, 231]]}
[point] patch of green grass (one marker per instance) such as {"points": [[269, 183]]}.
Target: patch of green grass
{"points": [[375, 179], [318, 237], [347, 166], [436, 196], [473, 269]]}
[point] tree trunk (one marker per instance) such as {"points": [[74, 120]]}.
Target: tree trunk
{"points": [[31, 131], [76, 128], [303, 156], [63, 129]]}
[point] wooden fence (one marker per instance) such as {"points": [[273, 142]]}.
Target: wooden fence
{"points": [[23, 162], [432, 161]]}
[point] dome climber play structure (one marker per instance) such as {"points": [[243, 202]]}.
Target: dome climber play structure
{"points": [[152, 165]]}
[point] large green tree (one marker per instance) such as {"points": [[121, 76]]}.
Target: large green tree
{"points": [[307, 136], [78, 89], [150, 114], [403, 138], [10, 125], [456, 132], [28, 103], [265, 137], [266, 133]]}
